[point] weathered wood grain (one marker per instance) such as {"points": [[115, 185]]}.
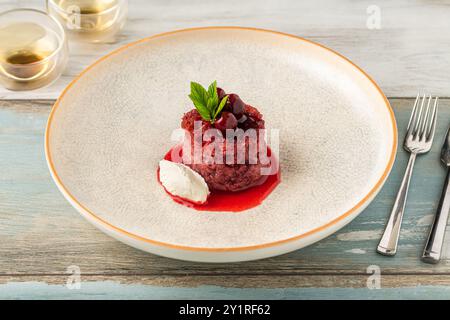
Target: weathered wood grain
{"points": [[41, 234], [228, 288], [249, 281], [409, 51]]}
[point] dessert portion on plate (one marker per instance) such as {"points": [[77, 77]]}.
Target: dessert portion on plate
{"points": [[224, 163]]}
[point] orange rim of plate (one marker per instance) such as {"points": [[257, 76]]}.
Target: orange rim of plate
{"points": [[108, 225]]}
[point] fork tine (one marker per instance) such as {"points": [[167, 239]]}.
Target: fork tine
{"points": [[425, 124], [413, 111], [433, 120], [413, 117], [418, 121]]}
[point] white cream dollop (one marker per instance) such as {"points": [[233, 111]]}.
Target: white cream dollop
{"points": [[181, 181]]}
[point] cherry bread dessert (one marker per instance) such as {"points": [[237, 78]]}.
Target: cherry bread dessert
{"points": [[232, 175], [223, 163]]}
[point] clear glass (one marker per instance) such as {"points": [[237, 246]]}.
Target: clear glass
{"points": [[90, 20], [33, 49]]}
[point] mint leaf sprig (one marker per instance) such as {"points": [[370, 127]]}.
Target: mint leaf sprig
{"points": [[207, 101]]}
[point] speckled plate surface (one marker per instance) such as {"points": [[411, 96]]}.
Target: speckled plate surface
{"points": [[112, 125]]}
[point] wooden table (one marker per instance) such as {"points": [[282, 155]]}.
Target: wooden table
{"points": [[42, 236]]}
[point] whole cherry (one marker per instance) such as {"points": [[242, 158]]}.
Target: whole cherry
{"points": [[221, 93], [237, 105], [226, 121], [249, 123]]}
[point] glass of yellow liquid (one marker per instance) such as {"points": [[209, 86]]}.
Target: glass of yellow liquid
{"points": [[90, 20], [33, 49]]}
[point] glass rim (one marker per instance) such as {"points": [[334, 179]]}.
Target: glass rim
{"points": [[58, 8], [61, 44]]}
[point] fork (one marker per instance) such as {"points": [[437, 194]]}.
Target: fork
{"points": [[418, 140]]}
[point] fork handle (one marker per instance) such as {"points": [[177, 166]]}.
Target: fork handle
{"points": [[433, 247], [388, 243]]}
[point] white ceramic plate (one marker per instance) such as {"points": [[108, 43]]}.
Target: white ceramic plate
{"points": [[113, 123]]}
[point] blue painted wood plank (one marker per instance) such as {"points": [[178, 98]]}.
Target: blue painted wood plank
{"points": [[114, 290]]}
